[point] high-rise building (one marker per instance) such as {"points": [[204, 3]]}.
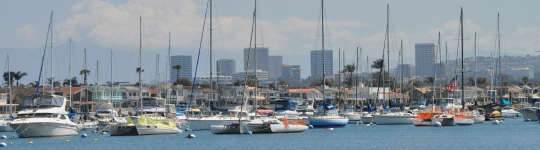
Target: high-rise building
{"points": [[261, 75], [262, 58], [274, 66], [317, 63], [407, 70], [440, 70], [226, 67], [425, 58], [291, 71], [186, 69]]}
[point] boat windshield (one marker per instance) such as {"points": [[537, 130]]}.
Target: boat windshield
{"points": [[47, 101], [39, 115]]}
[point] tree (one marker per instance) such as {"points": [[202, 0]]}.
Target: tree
{"points": [[182, 81], [19, 75], [177, 67], [378, 64], [429, 80], [9, 77], [252, 81], [525, 80], [482, 81], [138, 70], [283, 82], [33, 84], [470, 81], [237, 82], [85, 73], [55, 83], [73, 82], [320, 82], [349, 69]]}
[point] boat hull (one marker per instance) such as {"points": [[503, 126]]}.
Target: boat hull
{"points": [[464, 122], [225, 129], [198, 124], [282, 128], [394, 120], [422, 122], [444, 120], [353, 117], [529, 115], [479, 119], [4, 126], [327, 122], [155, 130], [368, 119], [122, 130], [44, 129], [510, 114]]}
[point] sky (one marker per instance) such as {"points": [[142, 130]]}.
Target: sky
{"points": [[288, 28]]}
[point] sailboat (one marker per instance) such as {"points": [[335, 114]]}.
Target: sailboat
{"points": [[328, 113], [5, 117], [44, 115], [151, 118], [349, 112], [391, 118], [477, 114]]}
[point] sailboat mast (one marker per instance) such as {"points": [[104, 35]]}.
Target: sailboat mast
{"points": [[499, 47], [9, 83], [435, 74], [322, 41], [440, 66], [97, 84], [70, 80], [462, 77], [356, 81], [140, 62], [387, 48], [445, 62], [475, 65], [211, 85], [339, 70], [112, 83], [401, 86], [255, 43], [168, 70], [52, 54]]}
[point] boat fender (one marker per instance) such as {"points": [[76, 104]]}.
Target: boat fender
{"points": [[528, 120], [84, 135], [310, 126], [330, 129], [95, 140], [67, 141], [249, 133], [3, 137], [437, 124], [31, 142], [2, 144], [190, 136]]}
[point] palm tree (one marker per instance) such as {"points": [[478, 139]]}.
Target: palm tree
{"points": [[85, 72], [525, 80], [138, 70], [9, 77], [177, 67], [33, 84], [429, 80], [18, 75]]}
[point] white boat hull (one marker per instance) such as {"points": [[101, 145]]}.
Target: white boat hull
{"points": [[4, 126], [422, 122], [44, 129], [510, 114], [353, 117], [529, 114], [225, 129], [393, 120], [200, 124], [445, 120], [464, 122], [282, 128], [479, 119], [155, 130], [328, 121]]}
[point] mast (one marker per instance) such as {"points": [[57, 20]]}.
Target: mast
{"points": [[446, 61], [322, 41], [97, 84], [255, 43], [440, 66], [475, 65], [356, 81], [9, 83], [339, 72], [112, 83], [52, 54], [462, 77], [388, 49], [435, 73], [211, 87], [70, 59], [401, 86], [140, 63], [168, 70], [499, 47]]}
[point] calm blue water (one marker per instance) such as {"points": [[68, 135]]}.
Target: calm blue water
{"points": [[511, 134]]}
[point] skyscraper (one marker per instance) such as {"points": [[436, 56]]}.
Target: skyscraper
{"points": [[407, 70], [185, 71], [291, 71], [262, 58], [274, 67], [317, 63], [425, 57], [226, 67]]}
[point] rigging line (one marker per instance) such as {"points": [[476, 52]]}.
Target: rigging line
{"points": [[43, 58], [327, 29], [317, 34], [220, 41], [198, 56]]}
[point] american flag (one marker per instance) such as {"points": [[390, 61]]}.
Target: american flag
{"points": [[452, 84], [347, 73]]}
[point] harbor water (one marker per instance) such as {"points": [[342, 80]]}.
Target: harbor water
{"points": [[511, 134]]}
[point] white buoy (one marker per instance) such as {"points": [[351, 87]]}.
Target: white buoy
{"points": [[3, 137], [166, 137], [367, 125], [528, 120], [370, 123], [249, 133], [103, 133], [310, 126], [2, 144], [437, 124], [330, 129], [495, 122], [84, 135], [94, 131], [190, 136]]}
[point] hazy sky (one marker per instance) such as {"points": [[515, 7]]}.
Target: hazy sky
{"points": [[288, 28]]}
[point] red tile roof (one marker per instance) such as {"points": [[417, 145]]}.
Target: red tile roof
{"points": [[423, 90], [301, 90], [62, 89]]}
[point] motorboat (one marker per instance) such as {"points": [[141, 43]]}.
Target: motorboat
{"points": [[327, 116], [424, 118], [510, 112], [153, 118], [349, 112], [287, 109], [529, 112], [43, 115], [389, 117], [4, 125], [225, 117], [261, 125]]}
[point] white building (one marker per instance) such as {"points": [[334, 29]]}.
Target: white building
{"points": [[261, 75], [216, 79]]}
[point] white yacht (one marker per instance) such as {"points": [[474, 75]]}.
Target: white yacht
{"points": [[43, 116], [529, 112], [287, 109], [349, 112], [229, 117], [328, 116], [394, 118], [106, 115], [510, 112]]}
